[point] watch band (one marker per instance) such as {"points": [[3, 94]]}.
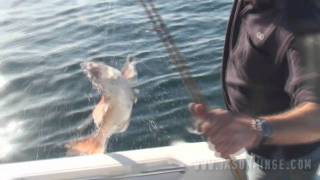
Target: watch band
{"points": [[264, 128]]}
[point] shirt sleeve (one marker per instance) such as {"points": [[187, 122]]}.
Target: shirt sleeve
{"points": [[303, 83]]}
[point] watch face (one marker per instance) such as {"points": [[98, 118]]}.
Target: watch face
{"points": [[267, 129]]}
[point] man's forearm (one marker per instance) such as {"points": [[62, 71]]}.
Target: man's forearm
{"points": [[297, 126]]}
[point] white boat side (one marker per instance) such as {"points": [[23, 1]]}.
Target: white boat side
{"points": [[187, 161]]}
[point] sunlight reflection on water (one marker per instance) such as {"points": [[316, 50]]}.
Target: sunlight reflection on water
{"points": [[2, 81], [8, 134]]}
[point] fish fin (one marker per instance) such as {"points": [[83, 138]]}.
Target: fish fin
{"points": [[87, 146], [129, 71], [124, 127], [106, 107], [135, 95], [136, 91], [100, 109]]}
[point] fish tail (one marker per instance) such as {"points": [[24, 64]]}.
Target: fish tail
{"points": [[87, 146]]}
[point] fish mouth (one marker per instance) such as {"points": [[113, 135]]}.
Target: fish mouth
{"points": [[92, 71]]}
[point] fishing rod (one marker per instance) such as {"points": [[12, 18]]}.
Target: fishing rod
{"points": [[180, 63], [174, 54]]}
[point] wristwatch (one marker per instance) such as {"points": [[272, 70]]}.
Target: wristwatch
{"points": [[265, 129]]}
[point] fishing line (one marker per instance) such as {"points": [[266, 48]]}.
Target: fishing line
{"points": [[181, 65]]}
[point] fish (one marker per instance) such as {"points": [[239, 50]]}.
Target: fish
{"points": [[112, 113]]}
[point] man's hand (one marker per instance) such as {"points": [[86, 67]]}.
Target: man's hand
{"points": [[228, 132]]}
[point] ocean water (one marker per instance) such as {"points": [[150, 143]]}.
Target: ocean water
{"points": [[45, 99]]}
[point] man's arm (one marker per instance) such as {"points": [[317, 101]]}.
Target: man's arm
{"points": [[230, 132], [301, 124], [298, 126]]}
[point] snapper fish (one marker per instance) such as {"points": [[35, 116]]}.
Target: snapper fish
{"points": [[112, 114]]}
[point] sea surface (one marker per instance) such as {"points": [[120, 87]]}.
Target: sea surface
{"points": [[45, 99]]}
